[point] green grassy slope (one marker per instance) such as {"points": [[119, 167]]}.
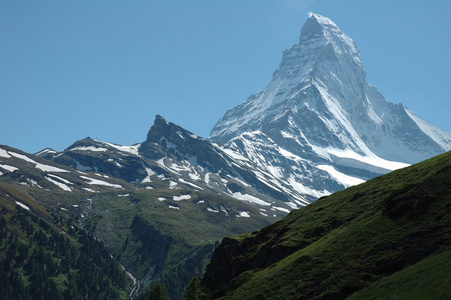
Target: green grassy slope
{"points": [[374, 238], [428, 279]]}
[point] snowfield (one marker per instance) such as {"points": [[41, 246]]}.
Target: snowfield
{"points": [[249, 198], [181, 197], [90, 148], [43, 167], [22, 205], [61, 185], [8, 168], [93, 181]]}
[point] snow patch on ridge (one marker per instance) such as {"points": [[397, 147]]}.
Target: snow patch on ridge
{"points": [[249, 198], [93, 181], [190, 184], [133, 149], [8, 168], [43, 167], [344, 179], [281, 209], [89, 148], [150, 172], [46, 151], [59, 184], [22, 205], [439, 136], [4, 153], [244, 214], [181, 197], [350, 158]]}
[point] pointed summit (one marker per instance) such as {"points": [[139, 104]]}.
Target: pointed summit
{"points": [[320, 41], [319, 28], [315, 25], [322, 21]]}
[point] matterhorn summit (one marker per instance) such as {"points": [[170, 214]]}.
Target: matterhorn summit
{"points": [[325, 120]]}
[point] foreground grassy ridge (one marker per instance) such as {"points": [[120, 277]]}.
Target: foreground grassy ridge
{"points": [[428, 279], [351, 241]]}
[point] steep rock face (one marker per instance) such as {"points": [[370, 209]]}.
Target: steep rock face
{"points": [[319, 107], [285, 167], [323, 50]]}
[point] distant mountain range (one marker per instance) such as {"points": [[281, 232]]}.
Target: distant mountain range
{"points": [[316, 128], [172, 157]]}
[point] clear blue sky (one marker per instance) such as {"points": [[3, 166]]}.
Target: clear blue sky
{"points": [[104, 69]]}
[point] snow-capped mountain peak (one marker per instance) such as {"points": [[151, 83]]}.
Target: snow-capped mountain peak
{"points": [[330, 29], [319, 107], [324, 55], [318, 28]]}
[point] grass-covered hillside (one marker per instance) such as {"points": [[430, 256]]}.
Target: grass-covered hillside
{"points": [[388, 238]]}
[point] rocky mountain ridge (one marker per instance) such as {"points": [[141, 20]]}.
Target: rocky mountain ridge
{"points": [[172, 157]]}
